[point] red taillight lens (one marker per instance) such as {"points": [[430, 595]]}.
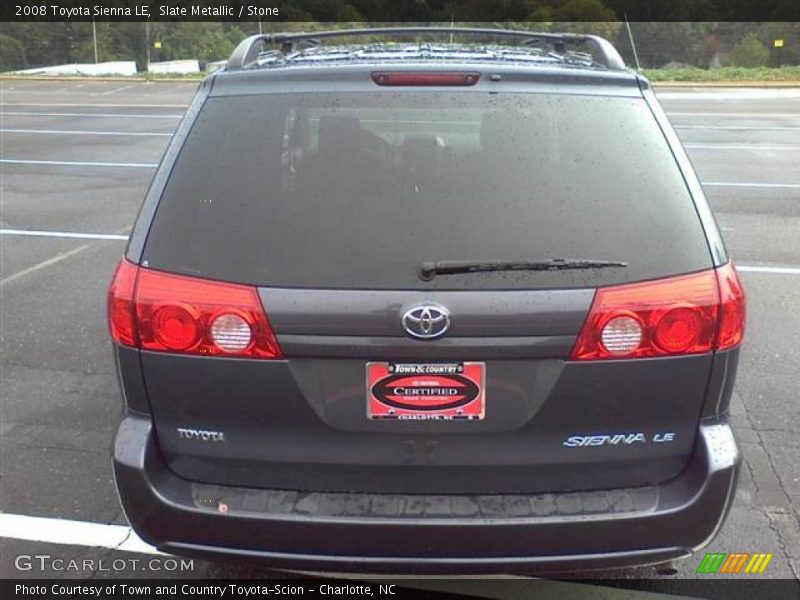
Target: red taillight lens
{"points": [[173, 313], [175, 327], [120, 304], [732, 305], [690, 314], [448, 79], [678, 330]]}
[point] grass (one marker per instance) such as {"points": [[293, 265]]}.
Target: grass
{"points": [[725, 74]]}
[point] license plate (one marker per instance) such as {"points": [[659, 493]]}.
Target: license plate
{"points": [[426, 391]]}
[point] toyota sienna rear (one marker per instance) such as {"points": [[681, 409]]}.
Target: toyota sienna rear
{"points": [[429, 308]]}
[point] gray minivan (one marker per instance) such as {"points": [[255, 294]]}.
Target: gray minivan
{"points": [[430, 307]]}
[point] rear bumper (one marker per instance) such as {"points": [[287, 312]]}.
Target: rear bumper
{"points": [[393, 533]]}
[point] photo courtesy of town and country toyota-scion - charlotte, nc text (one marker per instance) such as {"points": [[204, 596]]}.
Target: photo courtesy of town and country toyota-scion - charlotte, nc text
{"points": [[145, 11], [231, 590]]}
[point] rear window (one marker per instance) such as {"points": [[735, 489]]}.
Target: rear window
{"points": [[356, 190]]}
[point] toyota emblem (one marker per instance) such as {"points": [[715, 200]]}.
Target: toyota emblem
{"points": [[426, 321]]}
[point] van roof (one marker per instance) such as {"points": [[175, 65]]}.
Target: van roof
{"points": [[522, 56], [531, 46], [504, 76]]}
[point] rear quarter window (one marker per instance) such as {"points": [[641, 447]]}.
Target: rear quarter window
{"points": [[356, 190]]}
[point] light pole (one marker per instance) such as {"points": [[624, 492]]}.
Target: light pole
{"points": [[94, 36], [147, 45]]}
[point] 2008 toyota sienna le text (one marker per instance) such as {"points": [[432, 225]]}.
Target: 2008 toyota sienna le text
{"points": [[412, 306]]}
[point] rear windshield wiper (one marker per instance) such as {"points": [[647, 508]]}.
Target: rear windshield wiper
{"points": [[429, 270]]}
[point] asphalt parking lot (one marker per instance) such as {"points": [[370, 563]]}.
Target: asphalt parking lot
{"points": [[76, 158]]}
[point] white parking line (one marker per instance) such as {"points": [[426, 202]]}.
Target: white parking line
{"points": [[61, 256], [734, 127], [103, 115], [749, 147], [71, 163], [64, 234], [115, 90], [73, 533], [762, 269], [750, 184], [736, 115], [43, 265], [81, 132]]}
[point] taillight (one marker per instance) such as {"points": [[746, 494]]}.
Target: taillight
{"points": [[426, 78], [188, 315], [689, 314], [120, 304], [732, 305]]}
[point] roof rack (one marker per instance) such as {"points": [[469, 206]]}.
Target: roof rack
{"points": [[247, 53]]}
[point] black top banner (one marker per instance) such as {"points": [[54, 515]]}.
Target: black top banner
{"points": [[398, 11]]}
